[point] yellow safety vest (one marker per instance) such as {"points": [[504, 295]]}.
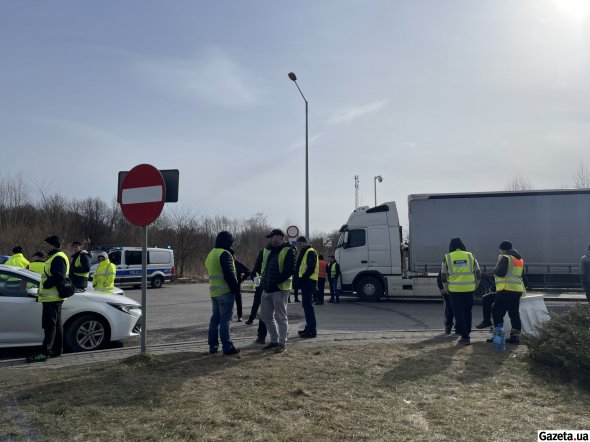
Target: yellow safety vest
{"points": [[104, 277], [51, 295], [333, 270], [77, 264], [37, 267], [17, 260], [303, 266], [513, 279], [217, 283], [461, 272], [285, 285]]}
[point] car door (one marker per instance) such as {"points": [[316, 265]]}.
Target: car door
{"points": [[20, 313]]}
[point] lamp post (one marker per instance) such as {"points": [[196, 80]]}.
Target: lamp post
{"points": [[375, 179], [293, 77]]}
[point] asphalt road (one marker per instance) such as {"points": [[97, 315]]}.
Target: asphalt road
{"points": [[181, 312]]}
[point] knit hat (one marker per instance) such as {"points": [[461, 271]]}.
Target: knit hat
{"points": [[505, 245], [17, 249], [302, 239], [54, 241], [40, 254], [103, 254]]}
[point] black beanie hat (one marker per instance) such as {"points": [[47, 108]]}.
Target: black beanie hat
{"points": [[54, 241], [17, 249], [505, 245], [456, 244]]}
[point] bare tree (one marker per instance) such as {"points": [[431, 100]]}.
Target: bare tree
{"points": [[519, 183], [582, 178]]}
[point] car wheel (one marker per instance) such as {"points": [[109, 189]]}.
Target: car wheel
{"points": [[86, 333], [157, 282], [369, 288]]}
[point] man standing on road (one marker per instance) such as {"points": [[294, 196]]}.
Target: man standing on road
{"points": [[509, 288], [256, 273], [53, 276], [37, 263], [460, 277], [585, 273], [306, 278], [223, 287], [103, 279], [333, 275], [277, 273], [80, 266]]}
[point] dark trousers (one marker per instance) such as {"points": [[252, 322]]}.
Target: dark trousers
{"points": [[51, 322], [319, 294], [507, 301], [588, 294], [261, 332], [448, 311], [239, 304], [295, 294], [486, 302], [307, 291], [255, 304], [462, 303]]}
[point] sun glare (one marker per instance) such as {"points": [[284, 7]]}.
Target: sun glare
{"points": [[579, 9]]}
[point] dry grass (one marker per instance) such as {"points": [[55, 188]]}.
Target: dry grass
{"points": [[428, 391]]}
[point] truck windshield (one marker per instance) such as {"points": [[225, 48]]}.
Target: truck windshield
{"points": [[340, 240]]}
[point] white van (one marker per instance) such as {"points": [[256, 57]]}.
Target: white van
{"points": [[160, 266]]}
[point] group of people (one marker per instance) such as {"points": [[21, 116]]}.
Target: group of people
{"points": [[55, 267], [460, 276], [277, 270]]}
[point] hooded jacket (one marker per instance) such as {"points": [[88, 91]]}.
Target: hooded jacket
{"points": [[224, 241], [502, 266]]}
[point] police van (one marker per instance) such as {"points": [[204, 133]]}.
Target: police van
{"points": [[160, 265]]}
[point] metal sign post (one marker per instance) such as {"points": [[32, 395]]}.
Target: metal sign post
{"points": [[144, 240]]}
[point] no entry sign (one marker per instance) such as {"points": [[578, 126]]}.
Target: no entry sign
{"points": [[143, 194]]}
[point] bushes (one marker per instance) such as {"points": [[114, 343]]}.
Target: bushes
{"points": [[563, 345]]}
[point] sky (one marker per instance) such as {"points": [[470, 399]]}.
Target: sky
{"points": [[435, 96]]}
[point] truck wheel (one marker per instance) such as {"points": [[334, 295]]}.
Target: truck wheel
{"points": [[486, 286], [86, 333], [369, 288], [157, 282]]}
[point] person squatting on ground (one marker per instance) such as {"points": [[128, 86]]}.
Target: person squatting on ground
{"points": [[276, 282], [509, 289], [80, 266], [223, 287], [306, 278], [448, 308], [54, 275], [585, 273], [460, 275], [333, 272]]}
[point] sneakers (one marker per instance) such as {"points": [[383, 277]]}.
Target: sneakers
{"points": [[279, 348], [41, 357], [232, 351], [309, 334], [249, 322], [259, 341], [464, 341], [484, 324], [271, 345]]}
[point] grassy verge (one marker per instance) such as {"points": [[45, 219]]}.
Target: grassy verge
{"points": [[434, 390]]}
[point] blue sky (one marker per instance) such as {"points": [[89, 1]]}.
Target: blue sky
{"points": [[435, 96]]}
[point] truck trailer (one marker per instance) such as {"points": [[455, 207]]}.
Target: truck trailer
{"points": [[550, 228]]}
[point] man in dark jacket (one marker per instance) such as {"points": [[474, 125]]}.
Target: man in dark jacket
{"points": [[243, 273], [585, 273], [223, 287], [306, 278], [277, 273], [54, 275], [256, 273], [80, 266], [333, 276]]}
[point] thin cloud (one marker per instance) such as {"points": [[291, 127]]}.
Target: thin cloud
{"points": [[214, 78], [408, 145], [349, 114]]}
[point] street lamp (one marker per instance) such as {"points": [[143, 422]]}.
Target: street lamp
{"points": [[375, 179], [293, 77]]}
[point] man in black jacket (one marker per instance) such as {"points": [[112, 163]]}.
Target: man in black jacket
{"points": [[306, 278], [256, 273], [333, 275], [277, 272], [80, 266]]}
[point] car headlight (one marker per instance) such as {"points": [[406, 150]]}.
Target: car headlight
{"points": [[125, 308]]}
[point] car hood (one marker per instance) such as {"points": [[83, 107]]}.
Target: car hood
{"points": [[103, 297]]}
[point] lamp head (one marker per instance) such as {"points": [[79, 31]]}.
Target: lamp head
{"points": [[379, 178], [292, 76]]}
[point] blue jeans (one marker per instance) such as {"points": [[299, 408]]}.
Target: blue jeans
{"points": [[334, 290], [222, 310]]}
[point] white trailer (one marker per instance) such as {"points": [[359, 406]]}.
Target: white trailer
{"points": [[550, 228]]}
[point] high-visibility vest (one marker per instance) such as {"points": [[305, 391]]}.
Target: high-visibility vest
{"points": [[285, 285], [322, 273], [461, 273], [37, 267], [217, 283], [51, 295], [513, 279], [333, 270], [303, 266], [104, 277], [17, 260], [77, 264]]}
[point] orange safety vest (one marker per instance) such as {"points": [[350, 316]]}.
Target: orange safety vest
{"points": [[322, 273]]}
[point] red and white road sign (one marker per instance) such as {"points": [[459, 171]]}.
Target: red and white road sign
{"points": [[143, 193], [292, 231]]}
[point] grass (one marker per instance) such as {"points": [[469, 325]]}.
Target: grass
{"points": [[433, 390]]}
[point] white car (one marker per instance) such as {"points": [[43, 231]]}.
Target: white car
{"points": [[90, 319]]}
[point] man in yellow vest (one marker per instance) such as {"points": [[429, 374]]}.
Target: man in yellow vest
{"points": [[17, 259], [508, 275], [104, 276], [80, 266], [223, 288], [306, 279], [460, 276], [276, 282], [37, 263], [54, 274]]}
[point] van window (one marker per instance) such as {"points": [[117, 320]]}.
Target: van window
{"points": [[356, 238], [115, 257], [132, 257], [157, 257]]}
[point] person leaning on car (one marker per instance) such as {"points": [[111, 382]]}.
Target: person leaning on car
{"points": [[54, 275], [80, 266]]}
